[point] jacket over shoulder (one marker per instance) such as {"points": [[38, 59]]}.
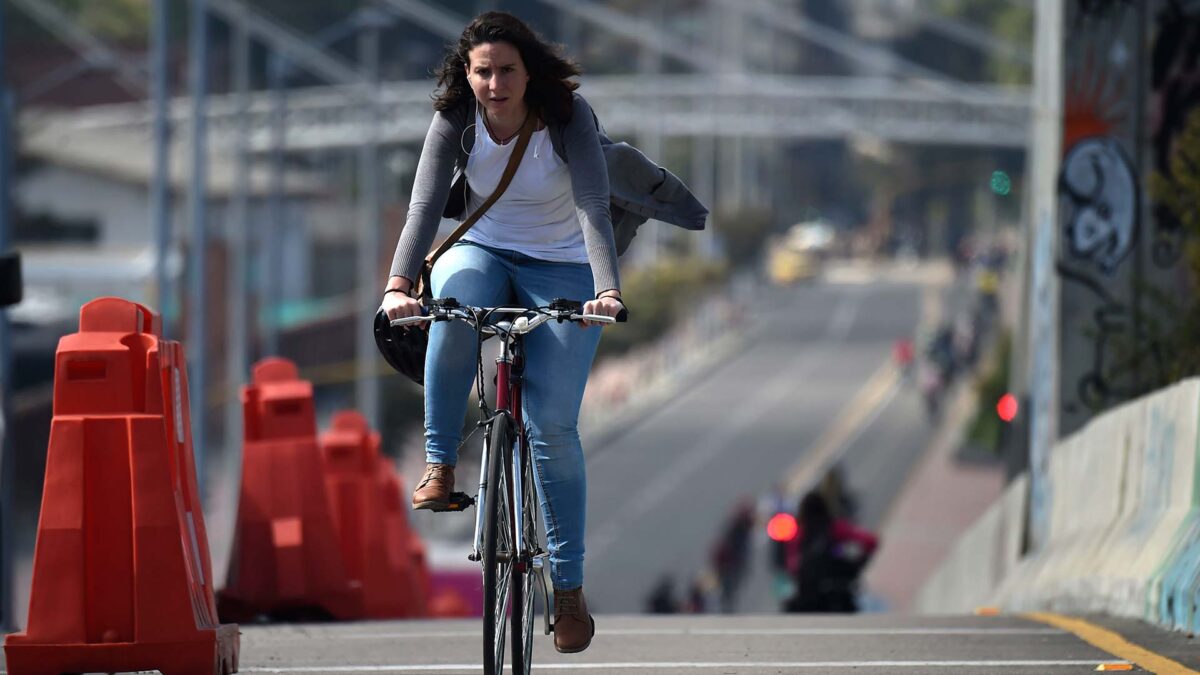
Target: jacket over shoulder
{"points": [[639, 189]]}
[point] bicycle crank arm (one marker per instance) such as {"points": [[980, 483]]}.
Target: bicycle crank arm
{"points": [[539, 568]]}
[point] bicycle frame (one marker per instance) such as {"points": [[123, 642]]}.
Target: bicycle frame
{"points": [[510, 372], [508, 402]]}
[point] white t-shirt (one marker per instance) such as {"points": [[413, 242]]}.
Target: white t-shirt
{"points": [[536, 214]]}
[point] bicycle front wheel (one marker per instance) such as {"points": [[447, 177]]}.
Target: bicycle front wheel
{"points": [[499, 550]]}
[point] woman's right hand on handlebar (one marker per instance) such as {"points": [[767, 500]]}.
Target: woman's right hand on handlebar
{"points": [[397, 303]]}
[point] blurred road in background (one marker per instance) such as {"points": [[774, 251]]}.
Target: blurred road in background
{"points": [[661, 493]]}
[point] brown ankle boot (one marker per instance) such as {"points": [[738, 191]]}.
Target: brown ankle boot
{"points": [[573, 626], [433, 490]]}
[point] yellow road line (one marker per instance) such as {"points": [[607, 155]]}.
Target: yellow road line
{"points": [[829, 445], [1114, 644]]}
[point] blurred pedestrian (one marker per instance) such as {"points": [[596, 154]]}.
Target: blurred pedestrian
{"points": [[731, 557], [662, 597], [941, 351], [902, 356], [987, 284], [836, 491], [965, 340], [827, 558], [696, 601], [931, 386]]}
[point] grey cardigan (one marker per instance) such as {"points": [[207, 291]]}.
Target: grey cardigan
{"points": [[616, 188]]}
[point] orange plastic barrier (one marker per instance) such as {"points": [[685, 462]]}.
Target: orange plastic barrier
{"points": [[286, 560], [374, 542], [405, 547], [122, 577]]}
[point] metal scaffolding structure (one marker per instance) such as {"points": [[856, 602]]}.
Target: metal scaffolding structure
{"points": [[881, 61], [783, 107], [641, 32], [297, 48], [430, 17]]}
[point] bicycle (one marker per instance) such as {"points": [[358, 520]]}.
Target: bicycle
{"points": [[507, 537]]}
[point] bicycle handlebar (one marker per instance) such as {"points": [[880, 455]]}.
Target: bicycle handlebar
{"points": [[527, 318]]}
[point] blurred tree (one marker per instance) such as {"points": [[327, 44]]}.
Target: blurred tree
{"points": [[307, 16], [1178, 325], [1011, 22], [115, 19], [658, 295], [1014, 24]]}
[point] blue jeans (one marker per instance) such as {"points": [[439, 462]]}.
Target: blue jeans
{"points": [[557, 360]]}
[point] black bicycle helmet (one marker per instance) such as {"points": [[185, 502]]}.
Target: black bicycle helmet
{"points": [[402, 348]]}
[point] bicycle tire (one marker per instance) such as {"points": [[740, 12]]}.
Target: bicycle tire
{"points": [[497, 541], [523, 577]]}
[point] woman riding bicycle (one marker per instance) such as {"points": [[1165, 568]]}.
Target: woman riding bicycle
{"points": [[549, 235]]}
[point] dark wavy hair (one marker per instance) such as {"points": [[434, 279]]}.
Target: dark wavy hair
{"points": [[548, 93]]}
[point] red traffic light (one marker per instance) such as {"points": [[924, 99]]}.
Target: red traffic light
{"points": [[782, 527], [1007, 407]]}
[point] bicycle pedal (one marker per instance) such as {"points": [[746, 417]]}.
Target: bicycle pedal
{"points": [[459, 501]]}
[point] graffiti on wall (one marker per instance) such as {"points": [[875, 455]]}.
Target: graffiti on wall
{"points": [[1100, 185], [1121, 345], [1100, 199], [1097, 181], [1175, 92]]}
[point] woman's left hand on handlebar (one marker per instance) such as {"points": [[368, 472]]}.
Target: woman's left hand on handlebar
{"points": [[605, 305]]}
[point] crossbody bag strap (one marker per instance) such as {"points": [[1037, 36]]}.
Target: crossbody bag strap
{"points": [[510, 170]]}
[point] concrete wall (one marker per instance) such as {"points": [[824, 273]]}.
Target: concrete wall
{"points": [[1124, 524]]}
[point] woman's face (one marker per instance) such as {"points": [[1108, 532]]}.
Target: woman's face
{"points": [[498, 78]]}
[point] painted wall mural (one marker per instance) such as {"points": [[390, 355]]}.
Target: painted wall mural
{"points": [[1100, 184], [1131, 78], [1099, 206]]}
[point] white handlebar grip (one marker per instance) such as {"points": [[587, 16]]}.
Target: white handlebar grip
{"points": [[408, 320], [595, 318]]}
